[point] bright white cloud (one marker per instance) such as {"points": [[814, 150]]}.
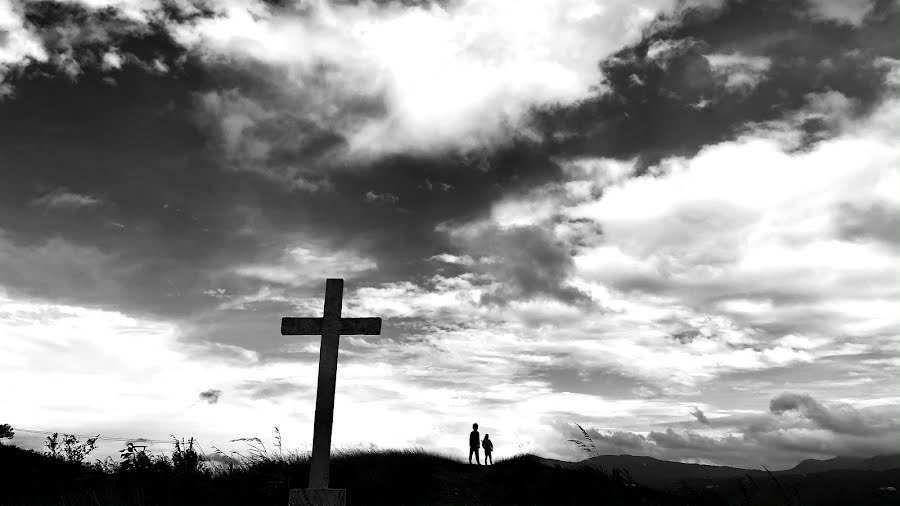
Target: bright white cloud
{"points": [[19, 42], [733, 262], [741, 72], [302, 264], [453, 76]]}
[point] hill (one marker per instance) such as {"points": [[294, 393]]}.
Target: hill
{"points": [[878, 463], [390, 477], [418, 477], [663, 474]]}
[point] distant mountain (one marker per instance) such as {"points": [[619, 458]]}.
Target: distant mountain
{"points": [[878, 463], [664, 474], [655, 473]]}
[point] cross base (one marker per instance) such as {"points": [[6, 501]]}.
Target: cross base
{"points": [[317, 497]]}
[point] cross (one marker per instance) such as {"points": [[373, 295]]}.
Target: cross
{"points": [[330, 327]]}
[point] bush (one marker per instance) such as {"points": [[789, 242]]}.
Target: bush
{"points": [[185, 458], [71, 449], [6, 431]]}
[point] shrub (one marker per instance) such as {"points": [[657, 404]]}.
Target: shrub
{"points": [[6, 431], [134, 459], [185, 458], [71, 449]]}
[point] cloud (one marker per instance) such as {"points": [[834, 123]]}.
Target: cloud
{"points": [[424, 92], [687, 84], [274, 389], [58, 268], [729, 227], [210, 396], [628, 255], [751, 440], [62, 198], [386, 198], [741, 72], [534, 263], [19, 45], [698, 414], [840, 419], [852, 12], [307, 263], [453, 259]]}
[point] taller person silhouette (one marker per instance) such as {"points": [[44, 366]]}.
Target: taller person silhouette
{"points": [[474, 444]]}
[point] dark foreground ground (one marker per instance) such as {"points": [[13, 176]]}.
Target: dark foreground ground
{"points": [[416, 477]]}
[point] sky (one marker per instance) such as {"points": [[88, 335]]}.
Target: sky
{"points": [[674, 223]]}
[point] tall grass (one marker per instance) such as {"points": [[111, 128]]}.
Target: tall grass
{"points": [[261, 474]]}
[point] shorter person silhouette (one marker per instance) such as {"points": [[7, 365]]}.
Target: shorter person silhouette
{"points": [[474, 444], [488, 446]]}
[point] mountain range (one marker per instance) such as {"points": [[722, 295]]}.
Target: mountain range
{"points": [[665, 474]]}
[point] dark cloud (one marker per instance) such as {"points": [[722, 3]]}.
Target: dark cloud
{"points": [[155, 148], [698, 414], [527, 261], [662, 97], [210, 396], [686, 440], [842, 419]]}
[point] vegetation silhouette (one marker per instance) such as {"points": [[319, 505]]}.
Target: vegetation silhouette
{"points": [[263, 475]]}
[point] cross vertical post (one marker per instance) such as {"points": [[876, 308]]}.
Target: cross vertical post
{"points": [[331, 326], [328, 357]]}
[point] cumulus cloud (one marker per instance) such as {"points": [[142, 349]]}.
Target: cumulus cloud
{"points": [[669, 242], [20, 43], [210, 396], [738, 225], [424, 91], [841, 419], [720, 251]]}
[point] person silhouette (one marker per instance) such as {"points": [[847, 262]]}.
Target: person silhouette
{"points": [[488, 446], [474, 444]]}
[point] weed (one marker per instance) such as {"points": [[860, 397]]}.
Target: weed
{"points": [[70, 449], [6, 431]]}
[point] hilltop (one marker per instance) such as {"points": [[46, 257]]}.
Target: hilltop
{"points": [[419, 477]]}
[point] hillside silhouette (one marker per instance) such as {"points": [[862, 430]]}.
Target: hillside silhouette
{"points": [[419, 477], [663, 474]]}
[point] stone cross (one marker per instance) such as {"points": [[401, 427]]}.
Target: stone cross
{"points": [[330, 327]]}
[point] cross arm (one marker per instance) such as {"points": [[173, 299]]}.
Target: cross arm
{"points": [[361, 326], [301, 326], [313, 326]]}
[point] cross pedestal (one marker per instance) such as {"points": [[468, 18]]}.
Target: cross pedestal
{"points": [[330, 327], [317, 497]]}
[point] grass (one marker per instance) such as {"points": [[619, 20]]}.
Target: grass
{"points": [[261, 475], [264, 476]]}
